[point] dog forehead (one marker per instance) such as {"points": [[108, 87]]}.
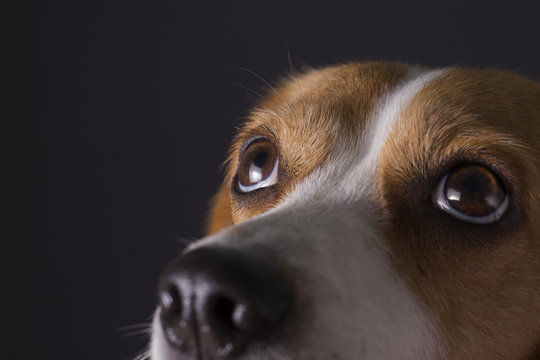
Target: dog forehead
{"points": [[335, 100], [468, 114], [308, 115], [463, 104], [350, 170]]}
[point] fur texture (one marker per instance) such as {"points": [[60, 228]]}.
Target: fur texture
{"points": [[379, 271]]}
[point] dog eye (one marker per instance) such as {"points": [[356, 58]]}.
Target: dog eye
{"points": [[472, 193], [258, 166]]}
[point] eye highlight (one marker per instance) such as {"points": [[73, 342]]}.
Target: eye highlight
{"points": [[258, 166], [472, 193]]}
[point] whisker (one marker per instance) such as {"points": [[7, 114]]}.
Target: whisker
{"points": [[134, 326], [143, 356], [253, 92], [135, 329], [152, 315], [146, 331], [263, 80]]}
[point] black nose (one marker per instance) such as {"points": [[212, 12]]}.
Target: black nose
{"points": [[214, 302]]}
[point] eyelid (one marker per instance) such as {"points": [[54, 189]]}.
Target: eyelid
{"points": [[250, 142]]}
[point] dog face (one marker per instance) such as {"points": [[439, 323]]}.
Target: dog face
{"points": [[370, 211]]}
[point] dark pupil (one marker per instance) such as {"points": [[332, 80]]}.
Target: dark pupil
{"points": [[470, 186], [260, 159]]}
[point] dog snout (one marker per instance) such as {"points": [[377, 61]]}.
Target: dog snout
{"points": [[215, 302]]}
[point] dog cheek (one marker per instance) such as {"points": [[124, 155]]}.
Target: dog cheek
{"points": [[220, 215]]}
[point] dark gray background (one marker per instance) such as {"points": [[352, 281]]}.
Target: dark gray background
{"points": [[124, 111]]}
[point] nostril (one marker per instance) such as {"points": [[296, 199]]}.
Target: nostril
{"points": [[232, 314], [257, 318], [219, 313], [223, 312]]}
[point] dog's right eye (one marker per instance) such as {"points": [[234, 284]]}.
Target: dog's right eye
{"points": [[258, 166]]}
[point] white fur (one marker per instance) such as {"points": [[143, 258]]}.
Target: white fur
{"points": [[327, 232]]}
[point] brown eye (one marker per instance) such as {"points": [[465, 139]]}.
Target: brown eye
{"points": [[258, 166], [472, 193]]}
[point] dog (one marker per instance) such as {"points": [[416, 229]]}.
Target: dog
{"points": [[370, 211]]}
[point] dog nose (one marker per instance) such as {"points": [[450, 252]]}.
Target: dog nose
{"points": [[214, 302]]}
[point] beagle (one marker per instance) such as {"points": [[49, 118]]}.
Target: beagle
{"points": [[370, 211]]}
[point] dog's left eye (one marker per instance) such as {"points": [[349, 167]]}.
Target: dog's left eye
{"points": [[258, 166], [472, 193]]}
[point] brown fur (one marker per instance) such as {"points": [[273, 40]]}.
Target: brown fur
{"points": [[304, 117], [482, 283]]}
